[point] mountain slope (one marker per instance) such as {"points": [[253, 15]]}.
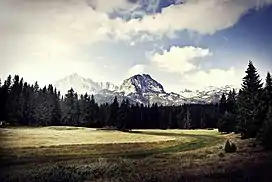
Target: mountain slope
{"points": [[82, 85], [141, 84], [142, 89]]}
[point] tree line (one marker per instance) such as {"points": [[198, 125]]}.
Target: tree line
{"points": [[25, 104], [248, 112]]}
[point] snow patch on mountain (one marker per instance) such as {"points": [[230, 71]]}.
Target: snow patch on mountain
{"points": [[83, 85], [141, 84], [142, 89]]}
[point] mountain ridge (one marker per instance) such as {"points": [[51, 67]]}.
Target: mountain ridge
{"points": [[140, 88]]}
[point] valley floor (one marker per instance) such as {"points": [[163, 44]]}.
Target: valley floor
{"points": [[83, 154]]}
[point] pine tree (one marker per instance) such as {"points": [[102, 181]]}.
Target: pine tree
{"points": [[2, 103], [36, 102], [227, 121], [169, 121], [56, 110], [26, 105], [268, 93], [222, 112], [265, 134], [187, 119], [14, 105], [94, 110], [104, 114], [162, 117], [43, 107], [223, 104], [113, 112], [123, 115], [70, 110], [84, 104], [249, 103], [76, 113]]}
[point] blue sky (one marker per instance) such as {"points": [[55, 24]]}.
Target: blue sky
{"points": [[182, 44]]}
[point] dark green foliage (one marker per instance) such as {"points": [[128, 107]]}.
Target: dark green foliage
{"points": [[113, 112], [123, 115], [250, 104], [227, 121], [266, 96], [265, 134], [26, 104]]}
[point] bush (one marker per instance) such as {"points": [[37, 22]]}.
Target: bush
{"points": [[221, 154], [233, 147], [230, 147]]}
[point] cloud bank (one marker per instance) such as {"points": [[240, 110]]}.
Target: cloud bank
{"points": [[179, 59], [38, 33]]}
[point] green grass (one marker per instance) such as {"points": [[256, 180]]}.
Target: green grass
{"points": [[87, 155], [169, 141]]}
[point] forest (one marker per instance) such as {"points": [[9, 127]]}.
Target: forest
{"points": [[248, 112]]}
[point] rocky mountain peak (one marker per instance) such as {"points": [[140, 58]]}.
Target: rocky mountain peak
{"points": [[141, 84]]}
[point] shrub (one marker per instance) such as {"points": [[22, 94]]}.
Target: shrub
{"points": [[233, 147], [221, 154], [230, 147]]}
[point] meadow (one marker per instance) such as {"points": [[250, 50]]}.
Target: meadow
{"points": [[86, 154]]}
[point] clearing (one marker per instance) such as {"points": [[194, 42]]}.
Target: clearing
{"points": [[85, 154]]}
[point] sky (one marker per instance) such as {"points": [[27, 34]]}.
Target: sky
{"points": [[183, 44]]}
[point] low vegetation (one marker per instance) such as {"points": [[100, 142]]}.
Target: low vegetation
{"points": [[188, 155], [230, 147]]}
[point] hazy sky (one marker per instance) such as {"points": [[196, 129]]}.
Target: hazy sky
{"points": [[180, 43]]}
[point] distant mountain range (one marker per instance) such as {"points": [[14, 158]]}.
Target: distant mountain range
{"points": [[142, 89]]}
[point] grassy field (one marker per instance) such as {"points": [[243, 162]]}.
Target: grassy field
{"points": [[84, 154]]}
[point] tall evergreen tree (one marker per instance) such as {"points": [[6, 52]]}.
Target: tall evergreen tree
{"points": [[14, 101], [265, 133], [70, 116], [113, 112], [249, 103], [223, 104], [123, 115], [268, 92], [187, 118], [94, 110], [56, 109]]}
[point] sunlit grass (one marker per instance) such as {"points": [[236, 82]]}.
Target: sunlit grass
{"points": [[53, 136], [41, 143], [80, 154]]}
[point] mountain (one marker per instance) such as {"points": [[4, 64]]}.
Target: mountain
{"points": [[145, 90], [208, 94], [141, 84], [142, 89], [82, 85]]}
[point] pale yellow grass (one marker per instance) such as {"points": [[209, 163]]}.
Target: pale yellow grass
{"points": [[186, 132], [52, 136]]}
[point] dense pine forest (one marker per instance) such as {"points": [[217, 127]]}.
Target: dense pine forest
{"points": [[248, 112]]}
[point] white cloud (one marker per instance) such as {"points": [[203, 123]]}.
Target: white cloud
{"points": [[203, 17], [110, 6], [179, 59], [213, 77], [136, 69]]}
